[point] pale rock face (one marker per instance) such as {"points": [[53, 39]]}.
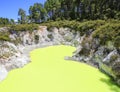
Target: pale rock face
{"points": [[26, 38], [78, 49], [21, 61], [5, 29], [56, 34], [3, 72], [12, 45], [45, 35], [61, 31], [108, 57], [12, 36], [69, 36]]}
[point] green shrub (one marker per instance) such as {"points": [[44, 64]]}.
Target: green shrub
{"points": [[4, 36], [76, 25], [24, 27], [117, 42], [108, 32]]}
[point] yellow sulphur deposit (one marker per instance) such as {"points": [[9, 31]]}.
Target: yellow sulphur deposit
{"points": [[49, 72]]}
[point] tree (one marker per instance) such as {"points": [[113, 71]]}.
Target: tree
{"points": [[12, 21], [22, 15], [37, 13], [4, 21], [53, 8], [74, 10]]}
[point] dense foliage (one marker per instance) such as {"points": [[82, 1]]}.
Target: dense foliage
{"points": [[37, 13], [83, 9], [6, 21], [68, 10], [71, 10], [24, 27], [109, 32], [23, 17]]}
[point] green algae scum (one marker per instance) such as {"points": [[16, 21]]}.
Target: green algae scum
{"points": [[49, 72]]}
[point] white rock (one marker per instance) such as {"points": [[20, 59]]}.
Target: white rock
{"points": [[3, 72]]}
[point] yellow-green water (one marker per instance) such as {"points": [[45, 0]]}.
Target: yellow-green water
{"points": [[49, 72]]}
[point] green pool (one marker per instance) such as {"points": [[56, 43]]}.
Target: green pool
{"points": [[49, 72]]}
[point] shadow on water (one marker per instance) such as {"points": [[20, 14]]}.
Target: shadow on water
{"points": [[112, 85]]}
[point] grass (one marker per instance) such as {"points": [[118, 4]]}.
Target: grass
{"points": [[49, 72]]}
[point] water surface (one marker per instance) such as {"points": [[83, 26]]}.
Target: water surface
{"points": [[49, 72]]}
